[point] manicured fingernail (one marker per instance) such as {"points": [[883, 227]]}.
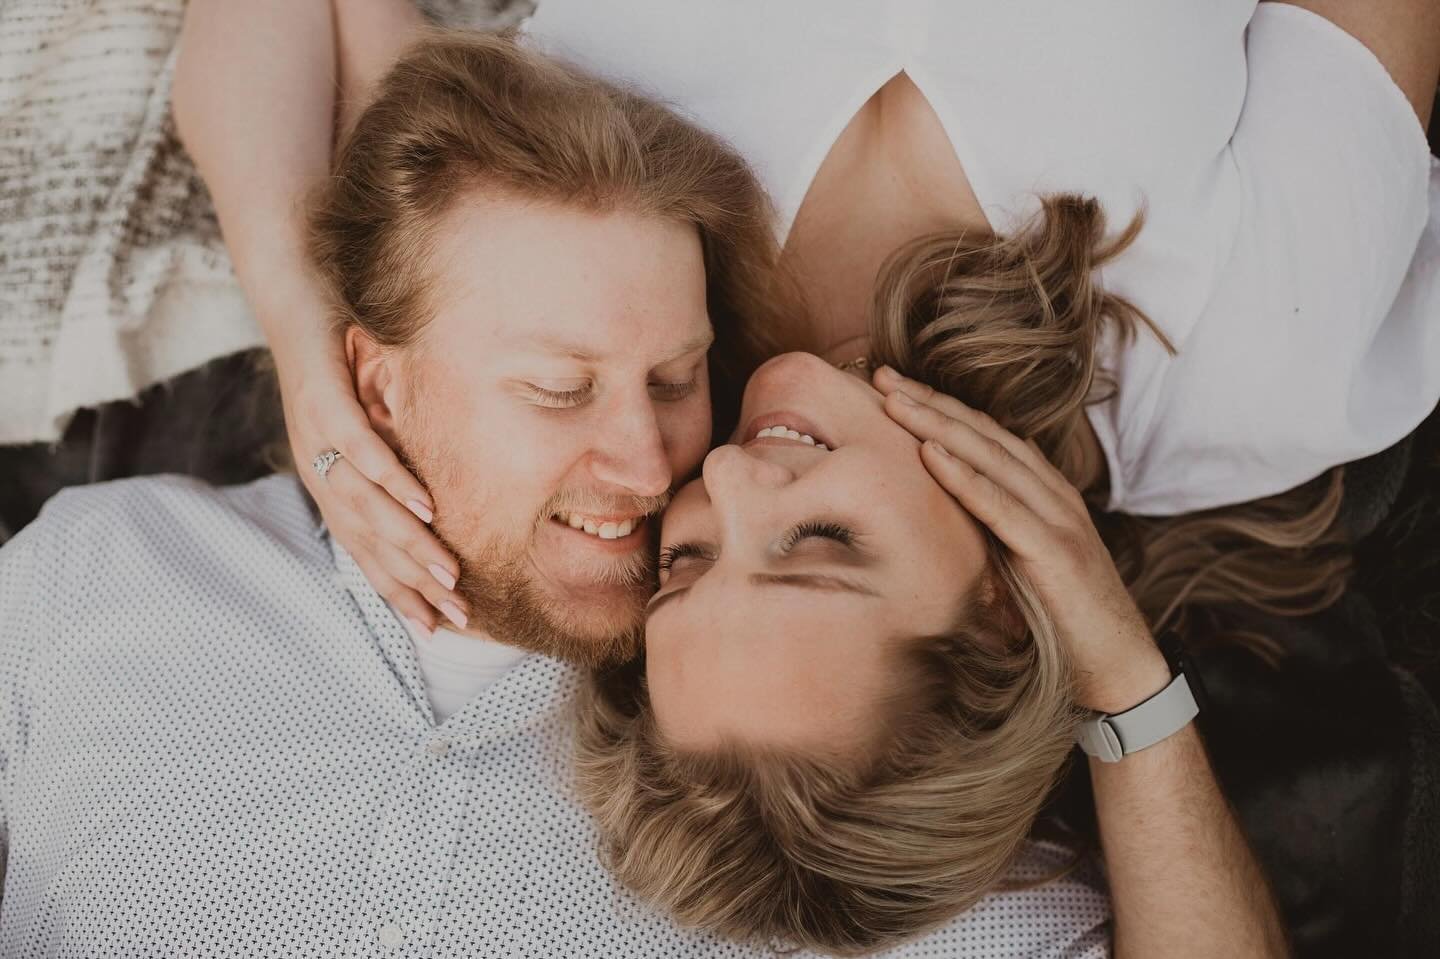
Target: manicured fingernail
{"points": [[452, 613], [418, 627], [420, 510], [442, 576]]}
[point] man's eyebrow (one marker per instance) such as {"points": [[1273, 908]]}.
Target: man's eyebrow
{"points": [[550, 343], [818, 582]]}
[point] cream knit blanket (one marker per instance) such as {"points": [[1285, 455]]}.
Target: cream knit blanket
{"points": [[113, 275]]}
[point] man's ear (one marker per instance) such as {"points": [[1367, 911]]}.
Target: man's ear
{"points": [[377, 387]]}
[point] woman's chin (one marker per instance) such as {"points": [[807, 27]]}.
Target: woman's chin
{"points": [[801, 383]]}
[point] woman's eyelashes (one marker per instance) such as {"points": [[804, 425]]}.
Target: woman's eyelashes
{"points": [[817, 528], [822, 529], [678, 551]]}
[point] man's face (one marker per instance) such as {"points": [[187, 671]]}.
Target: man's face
{"points": [[558, 393]]}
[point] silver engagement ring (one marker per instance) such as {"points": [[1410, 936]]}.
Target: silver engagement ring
{"points": [[324, 461]]}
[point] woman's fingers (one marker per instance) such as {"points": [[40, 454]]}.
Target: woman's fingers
{"points": [[1035, 511], [406, 601], [368, 479], [982, 453], [1017, 526], [887, 381], [390, 523], [372, 505], [358, 443], [427, 583]]}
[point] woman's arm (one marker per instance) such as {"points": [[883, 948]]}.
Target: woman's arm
{"points": [[1182, 877], [254, 103], [370, 36], [1183, 881]]}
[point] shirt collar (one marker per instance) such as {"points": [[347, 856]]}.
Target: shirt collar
{"points": [[536, 691]]}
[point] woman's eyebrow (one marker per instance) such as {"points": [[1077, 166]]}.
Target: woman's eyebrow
{"points": [[845, 554], [819, 582]]}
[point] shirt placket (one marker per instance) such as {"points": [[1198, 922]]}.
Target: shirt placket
{"points": [[414, 858], [412, 861]]}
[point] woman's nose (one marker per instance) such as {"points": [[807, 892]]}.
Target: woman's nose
{"points": [[731, 473]]}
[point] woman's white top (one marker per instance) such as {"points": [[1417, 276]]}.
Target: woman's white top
{"points": [[1288, 252]]}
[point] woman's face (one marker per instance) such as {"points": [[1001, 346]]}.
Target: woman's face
{"points": [[794, 571]]}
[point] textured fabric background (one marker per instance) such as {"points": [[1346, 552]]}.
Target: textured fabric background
{"points": [[113, 275]]}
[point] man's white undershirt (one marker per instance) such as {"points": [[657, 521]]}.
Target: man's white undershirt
{"points": [[458, 668]]}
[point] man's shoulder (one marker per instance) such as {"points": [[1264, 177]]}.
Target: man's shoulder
{"points": [[140, 503], [1050, 905], [167, 512]]}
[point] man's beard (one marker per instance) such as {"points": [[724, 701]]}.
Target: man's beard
{"points": [[500, 588], [500, 591]]}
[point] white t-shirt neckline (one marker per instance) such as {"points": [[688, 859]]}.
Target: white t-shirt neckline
{"points": [[457, 668]]}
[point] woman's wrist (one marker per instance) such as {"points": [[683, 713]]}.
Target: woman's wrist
{"points": [[1124, 682]]}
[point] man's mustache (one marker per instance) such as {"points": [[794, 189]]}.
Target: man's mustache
{"points": [[598, 504]]}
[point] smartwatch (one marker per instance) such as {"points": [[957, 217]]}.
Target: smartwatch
{"points": [[1110, 738]]}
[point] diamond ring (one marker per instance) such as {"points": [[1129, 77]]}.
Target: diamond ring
{"points": [[324, 461]]}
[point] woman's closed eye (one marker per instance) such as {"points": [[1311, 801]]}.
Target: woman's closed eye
{"points": [[821, 529], [683, 564], [675, 552]]}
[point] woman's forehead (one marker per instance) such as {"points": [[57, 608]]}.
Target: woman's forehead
{"points": [[778, 669]]}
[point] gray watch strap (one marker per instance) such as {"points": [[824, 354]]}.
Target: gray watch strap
{"points": [[1112, 738]]}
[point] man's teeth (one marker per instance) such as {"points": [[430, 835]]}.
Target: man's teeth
{"points": [[785, 432], [607, 529]]}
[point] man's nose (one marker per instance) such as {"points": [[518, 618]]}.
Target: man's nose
{"points": [[733, 476], [631, 451]]}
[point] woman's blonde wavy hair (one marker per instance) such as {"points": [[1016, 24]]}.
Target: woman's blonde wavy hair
{"points": [[848, 857]]}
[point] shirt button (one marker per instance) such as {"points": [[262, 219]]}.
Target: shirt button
{"points": [[391, 935], [437, 747]]}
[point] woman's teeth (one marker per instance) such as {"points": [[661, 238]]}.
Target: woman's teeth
{"points": [[785, 432], [607, 529]]}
